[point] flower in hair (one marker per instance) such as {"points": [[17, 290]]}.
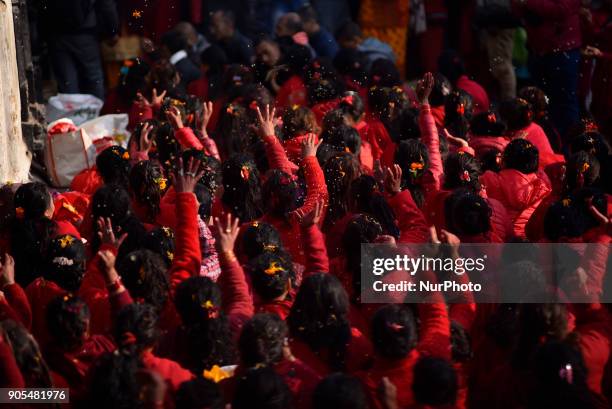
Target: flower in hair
{"points": [[245, 172], [62, 261], [414, 166], [19, 213], [230, 109], [215, 374], [295, 107], [128, 338], [126, 155], [585, 166], [170, 255], [270, 247], [255, 224], [465, 176], [66, 241], [316, 64], [211, 310], [492, 118], [591, 126], [566, 202], [461, 109], [253, 105], [274, 268], [167, 231], [348, 99], [176, 102], [161, 183]]}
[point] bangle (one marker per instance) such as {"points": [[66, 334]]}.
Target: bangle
{"points": [[115, 285], [229, 256]]}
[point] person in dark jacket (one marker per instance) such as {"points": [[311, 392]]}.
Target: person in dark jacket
{"points": [[237, 47], [73, 29]]}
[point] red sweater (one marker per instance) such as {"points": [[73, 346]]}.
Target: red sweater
{"points": [[434, 341]]}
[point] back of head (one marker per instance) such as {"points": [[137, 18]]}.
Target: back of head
{"points": [[198, 299], [466, 213], [262, 340], [161, 242], [68, 321], [461, 170], [259, 237], [347, 34], [403, 126], [368, 198], [352, 106], [517, 114], [340, 391], [113, 381], [442, 87], [271, 275], [384, 73], [144, 274], [174, 41], [412, 156], [352, 64], [537, 99], [147, 184], [199, 394], [435, 382], [136, 328], [394, 332], [487, 124], [340, 170], [66, 260], [261, 388], [521, 155], [242, 192], [113, 164], [458, 110], [297, 121]]}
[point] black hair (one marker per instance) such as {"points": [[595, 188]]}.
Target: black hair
{"points": [[262, 340], [28, 356], [461, 343], [259, 237], [570, 217], [435, 382], [384, 73], [561, 377], [298, 120], [348, 31], [340, 391], [340, 171], [582, 170], [144, 274], [466, 213], [362, 228], [212, 170], [66, 260], [215, 58], [113, 201], [205, 198], [113, 382], [352, 65], [205, 325], [270, 275], [163, 77], [522, 155], [322, 81], [441, 88], [68, 321], [319, 317], [232, 133], [491, 160], [261, 388], [136, 134], [148, 185], [386, 103], [136, 328], [352, 105], [342, 138], [168, 148], [404, 125], [394, 332], [413, 158], [307, 13], [451, 65], [242, 193], [31, 231], [516, 113], [367, 198], [113, 165], [461, 170], [235, 79], [458, 110], [537, 99], [199, 393], [487, 124], [132, 79], [161, 242], [296, 57]]}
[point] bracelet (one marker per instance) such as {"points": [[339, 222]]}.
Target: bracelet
{"points": [[229, 256], [115, 285]]}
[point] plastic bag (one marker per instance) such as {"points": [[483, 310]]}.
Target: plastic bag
{"points": [[79, 108]]}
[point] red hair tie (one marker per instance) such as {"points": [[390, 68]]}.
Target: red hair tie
{"points": [[396, 327], [461, 109], [253, 105], [465, 176], [128, 338], [492, 118], [348, 99], [245, 172]]}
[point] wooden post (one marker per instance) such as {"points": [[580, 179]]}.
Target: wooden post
{"points": [[14, 156]]}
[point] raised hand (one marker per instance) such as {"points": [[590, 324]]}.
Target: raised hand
{"points": [[424, 87], [106, 233], [107, 262], [227, 232], [207, 111], [266, 122], [186, 178], [174, 117], [312, 217], [393, 179], [310, 146]]}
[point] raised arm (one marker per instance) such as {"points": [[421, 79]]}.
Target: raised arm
{"points": [[183, 134], [188, 257], [277, 157], [14, 295], [429, 132], [313, 241], [410, 220]]}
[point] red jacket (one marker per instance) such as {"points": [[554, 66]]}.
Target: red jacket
{"points": [[292, 92], [536, 135], [15, 305], [170, 371], [376, 135], [520, 193], [434, 340], [322, 108], [557, 28], [483, 144], [293, 147]]}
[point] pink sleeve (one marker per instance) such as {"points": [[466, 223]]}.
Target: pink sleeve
{"points": [[237, 301], [188, 256], [188, 139], [277, 157], [431, 139], [210, 147]]}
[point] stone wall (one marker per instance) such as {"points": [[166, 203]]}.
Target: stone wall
{"points": [[14, 156]]}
